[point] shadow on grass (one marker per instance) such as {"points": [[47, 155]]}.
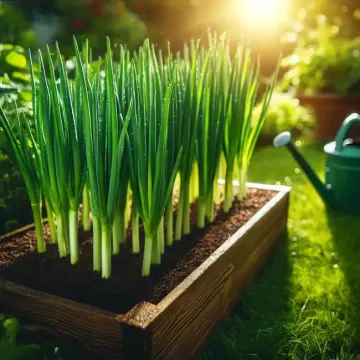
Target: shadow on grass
{"points": [[254, 330], [345, 230]]}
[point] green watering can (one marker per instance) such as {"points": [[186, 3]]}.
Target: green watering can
{"points": [[342, 189]]}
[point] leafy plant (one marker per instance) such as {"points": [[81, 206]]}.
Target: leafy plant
{"points": [[15, 87], [241, 132], [14, 79], [286, 114], [323, 60], [25, 151], [95, 19], [14, 204], [12, 349], [105, 130]]}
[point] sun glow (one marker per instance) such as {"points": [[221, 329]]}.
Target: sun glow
{"points": [[264, 13]]}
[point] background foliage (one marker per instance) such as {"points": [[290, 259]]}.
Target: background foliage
{"points": [[14, 28], [96, 19], [14, 204], [325, 57], [15, 346], [286, 114]]}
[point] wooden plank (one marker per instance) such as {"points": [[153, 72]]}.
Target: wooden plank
{"points": [[274, 209], [16, 232], [96, 330], [278, 188], [221, 297], [189, 313]]}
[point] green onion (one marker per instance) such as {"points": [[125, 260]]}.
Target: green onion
{"points": [[62, 151], [174, 143], [51, 161], [51, 221], [26, 154], [105, 132], [193, 93], [240, 136], [210, 130], [74, 146], [122, 72], [252, 130], [120, 134], [152, 177]]}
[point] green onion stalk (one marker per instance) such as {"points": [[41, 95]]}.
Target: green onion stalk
{"points": [[122, 78], [135, 228], [152, 179], [49, 125], [193, 93], [201, 98], [180, 209], [74, 145], [86, 208], [213, 198], [237, 103], [156, 248], [64, 184], [120, 221], [51, 222], [210, 130], [105, 133], [166, 70], [194, 183], [161, 231], [26, 154], [187, 128], [174, 144], [169, 218], [128, 205], [91, 104], [246, 149]]}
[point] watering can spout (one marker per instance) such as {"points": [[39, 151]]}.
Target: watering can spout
{"points": [[284, 139]]}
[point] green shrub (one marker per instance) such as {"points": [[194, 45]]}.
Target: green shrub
{"points": [[94, 20], [324, 59], [14, 74], [286, 114], [13, 349], [14, 78]]}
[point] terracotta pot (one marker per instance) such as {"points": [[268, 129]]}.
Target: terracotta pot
{"points": [[331, 110]]}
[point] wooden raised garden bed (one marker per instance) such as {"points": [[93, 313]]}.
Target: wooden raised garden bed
{"points": [[178, 325]]}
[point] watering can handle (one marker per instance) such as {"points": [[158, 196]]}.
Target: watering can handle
{"points": [[345, 128]]}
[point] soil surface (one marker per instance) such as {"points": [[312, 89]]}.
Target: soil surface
{"points": [[20, 263]]}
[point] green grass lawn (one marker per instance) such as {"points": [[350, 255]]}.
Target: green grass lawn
{"points": [[306, 302]]}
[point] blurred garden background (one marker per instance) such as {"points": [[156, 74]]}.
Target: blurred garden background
{"points": [[319, 85], [318, 41]]}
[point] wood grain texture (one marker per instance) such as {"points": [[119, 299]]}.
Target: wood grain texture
{"points": [[207, 296], [178, 326], [95, 330]]}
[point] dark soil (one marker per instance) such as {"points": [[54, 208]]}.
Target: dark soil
{"points": [[20, 263]]}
